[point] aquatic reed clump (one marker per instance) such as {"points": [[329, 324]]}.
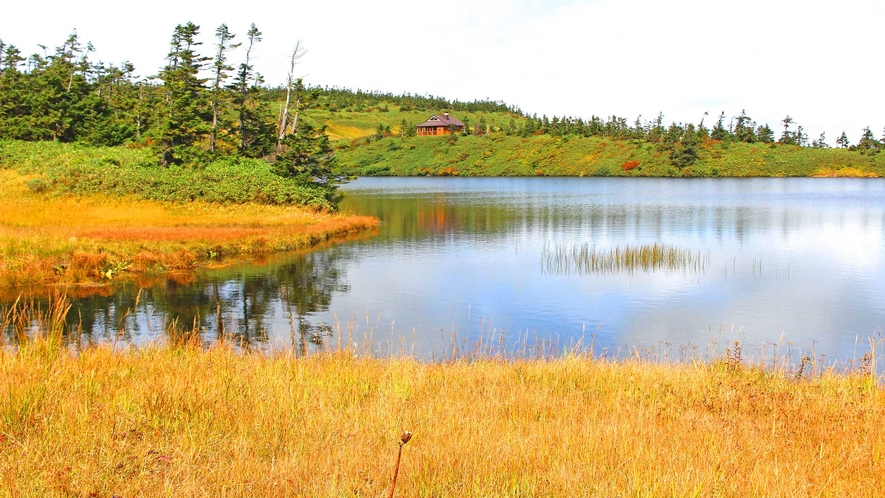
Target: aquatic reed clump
{"points": [[584, 259], [30, 322]]}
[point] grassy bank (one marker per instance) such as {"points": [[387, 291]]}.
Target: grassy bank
{"points": [[501, 155], [184, 421], [75, 214], [77, 169]]}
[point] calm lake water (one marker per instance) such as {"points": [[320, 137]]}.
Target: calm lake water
{"points": [[458, 260]]}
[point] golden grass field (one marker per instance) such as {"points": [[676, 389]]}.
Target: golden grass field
{"points": [[181, 419], [183, 422], [46, 239]]}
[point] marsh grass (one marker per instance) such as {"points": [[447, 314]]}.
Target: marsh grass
{"points": [[187, 419], [585, 259], [62, 239]]}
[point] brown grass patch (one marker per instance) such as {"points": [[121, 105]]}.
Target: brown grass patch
{"points": [[187, 422], [627, 166], [57, 239], [845, 172]]}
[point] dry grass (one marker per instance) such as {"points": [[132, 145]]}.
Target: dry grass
{"points": [[845, 172], [62, 239], [178, 420]]}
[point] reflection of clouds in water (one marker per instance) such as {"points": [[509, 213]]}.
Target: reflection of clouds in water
{"points": [[464, 245], [762, 312], [777, 247], [854, 243]]}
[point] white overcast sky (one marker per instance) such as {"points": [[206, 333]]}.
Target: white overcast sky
{"points": [[820, 61]]}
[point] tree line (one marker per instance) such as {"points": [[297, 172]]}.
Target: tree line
{"points": [[195, 109], [198, 107]]}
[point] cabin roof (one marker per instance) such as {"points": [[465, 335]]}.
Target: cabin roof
{"points": [[440, 120]]}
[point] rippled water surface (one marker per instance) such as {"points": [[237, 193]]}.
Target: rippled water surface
{"points": [[793, 260]]}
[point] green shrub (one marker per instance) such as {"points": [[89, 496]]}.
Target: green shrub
{"points": [[36, 185], [85, 170]]}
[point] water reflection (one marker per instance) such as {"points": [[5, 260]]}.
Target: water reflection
{"points": [[244, 303], [798, 258]]}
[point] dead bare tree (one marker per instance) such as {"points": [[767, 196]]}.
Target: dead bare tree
{"points": [[291, 104]]}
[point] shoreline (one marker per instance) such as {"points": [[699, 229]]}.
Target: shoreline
{"points": [[47, 240]]}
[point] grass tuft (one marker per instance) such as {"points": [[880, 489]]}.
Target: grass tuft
{"points": [[584, 259]]}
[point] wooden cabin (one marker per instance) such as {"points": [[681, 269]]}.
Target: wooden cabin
{"points": [[440, 125]]}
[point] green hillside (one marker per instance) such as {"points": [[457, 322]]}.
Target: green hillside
{"points": [[498, 154], [350, 124]]}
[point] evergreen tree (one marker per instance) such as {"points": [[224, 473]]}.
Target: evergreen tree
{"points": [[220, 73], [656, 130], [842, 140], [685, 152], [801, 137], [256, 135], [13, 112], [745, 128], [765, 134], [720, 132], [868, 143], [787, 137], [821, 142], [702, 132], [185, 109], [307, 158]]}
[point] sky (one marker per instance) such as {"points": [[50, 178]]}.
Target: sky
{"points": [[819, 61]]}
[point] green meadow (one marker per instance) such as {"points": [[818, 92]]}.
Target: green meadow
{"points": [[498, 154]]}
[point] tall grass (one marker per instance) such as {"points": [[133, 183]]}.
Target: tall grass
{"points": [[100, 238], [584, 259], [187, 420]]}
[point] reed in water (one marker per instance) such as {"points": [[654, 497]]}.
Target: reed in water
{"points": [[586, 259]]}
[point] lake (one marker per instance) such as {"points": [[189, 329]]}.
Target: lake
{"points": [[457, 262]]}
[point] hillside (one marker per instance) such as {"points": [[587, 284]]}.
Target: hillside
{"points": [[498, 154], [350, 124]]}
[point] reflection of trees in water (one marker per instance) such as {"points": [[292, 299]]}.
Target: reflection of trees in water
{"points": [[438, 216], [306, 286], [238, 303], [242, 306]]}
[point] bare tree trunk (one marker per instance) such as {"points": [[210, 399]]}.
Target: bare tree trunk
{"points": [[297, 54]]}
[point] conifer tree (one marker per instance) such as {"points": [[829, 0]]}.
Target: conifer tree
{"points": [[220, 73], [801, 137], [185, 111], [745, 128], [256, 136], [765, 134], [868, 143], [787, 137], [720, 132], [842, 140], [306, 157]]}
